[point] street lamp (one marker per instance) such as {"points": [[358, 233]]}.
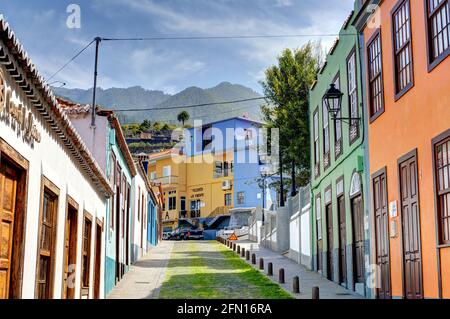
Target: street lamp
{"points": [[333, 101]]}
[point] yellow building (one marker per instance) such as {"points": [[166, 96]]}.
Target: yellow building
{"points": [[193, 188]]}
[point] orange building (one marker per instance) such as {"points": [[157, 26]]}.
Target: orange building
{"points": [[407, 44]]}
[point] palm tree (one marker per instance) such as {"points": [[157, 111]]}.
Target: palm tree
{"points": [[183, 117]]}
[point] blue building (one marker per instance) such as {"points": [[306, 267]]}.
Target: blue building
{"points": [[240, 142]]}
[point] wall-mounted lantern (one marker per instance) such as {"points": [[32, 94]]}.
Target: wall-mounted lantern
{"points": [[333, 101]]}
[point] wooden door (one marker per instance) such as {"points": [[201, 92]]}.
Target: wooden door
{"points": [[412, 255], [382, 237], [127, 226], [330, 245], [98, 260], [70, 253], [358, 239], [8, 192], [342, 241], [118, 267]]}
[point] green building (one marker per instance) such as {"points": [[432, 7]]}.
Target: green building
{"points": [[340, 244]]}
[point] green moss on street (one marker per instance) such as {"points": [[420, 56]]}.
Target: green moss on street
{"points": [[207, 270]]}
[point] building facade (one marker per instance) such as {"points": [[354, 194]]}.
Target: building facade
{"points": [[53, 192], [340, 238], [204, 179], [168, 169], [144, 219], [407, 44], [108, 146]]}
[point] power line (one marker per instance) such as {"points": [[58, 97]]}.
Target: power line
{"points": [[164, 120], [191, 106], [224, 37], [194, 38], [70, 61]]}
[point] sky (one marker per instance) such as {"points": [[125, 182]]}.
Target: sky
{"points": [[170, 65]]}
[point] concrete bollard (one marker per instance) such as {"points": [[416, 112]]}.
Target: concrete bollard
{"points": [[243, 252], [270, 269], [254, 259], [261, 263], [315, 293], [247, 255], [296, 285], [281, 276]]}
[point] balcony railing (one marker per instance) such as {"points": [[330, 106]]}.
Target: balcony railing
{"points": [[168, 180]]}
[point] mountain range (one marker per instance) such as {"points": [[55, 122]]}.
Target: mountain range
{"points": [[158, 106]]}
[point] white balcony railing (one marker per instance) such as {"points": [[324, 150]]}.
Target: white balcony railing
{"points": [[168, 180]]}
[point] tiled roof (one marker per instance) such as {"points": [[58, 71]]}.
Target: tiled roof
{"points": [[73, 109], [76, 110], [24, 73]]}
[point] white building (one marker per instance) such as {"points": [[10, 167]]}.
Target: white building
{"points": [[53, 194]]}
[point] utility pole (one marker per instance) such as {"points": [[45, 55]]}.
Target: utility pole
{"points": [[281, 179], [97, 45], [293, 183], [264, 199]]}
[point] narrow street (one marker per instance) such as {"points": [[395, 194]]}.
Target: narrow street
{"points": [[209, 270], [195, 269]]}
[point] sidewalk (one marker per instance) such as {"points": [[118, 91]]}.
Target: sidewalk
{"points": [[145, 277], [308, 279]]}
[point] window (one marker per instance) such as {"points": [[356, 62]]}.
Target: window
{"points": [[218, 169], [46, 243], [228, 200], [226, 169], [167, 171], [376, 89], [326, 136], [172, 200], [443, 189], [207, 138], [401, 22], [241, 198], [316, 143], [438, 12], [86, 252], [195, 208], [353, 95], [152, 176], [319, 218], [337, 125]]}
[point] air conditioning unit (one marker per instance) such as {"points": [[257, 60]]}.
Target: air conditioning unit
{"points": [[226, 185]]}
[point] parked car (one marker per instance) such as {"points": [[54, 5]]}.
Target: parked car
{"points": [[195, 234], [166, 235], [179, 234]]}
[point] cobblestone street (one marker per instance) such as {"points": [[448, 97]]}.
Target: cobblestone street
{"points": [[208, 270]]}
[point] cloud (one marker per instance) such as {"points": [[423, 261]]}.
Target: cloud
{"points": [[161, 68], [283, 3], [315, 19]]}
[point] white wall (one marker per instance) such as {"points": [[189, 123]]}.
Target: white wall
{"points": [[50, 158], [294, 236], [306, 232], [138, 183]]}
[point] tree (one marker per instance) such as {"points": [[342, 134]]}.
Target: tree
{"points": [[287, 88], [157, 126], [145, 126], [183, 117]]}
